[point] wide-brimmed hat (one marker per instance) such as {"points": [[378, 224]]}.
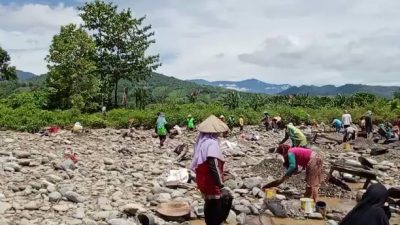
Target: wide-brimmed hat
{"points": [[173, 209], [212, 125]]}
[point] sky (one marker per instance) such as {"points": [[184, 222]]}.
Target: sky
{"points": [[277, 41]]}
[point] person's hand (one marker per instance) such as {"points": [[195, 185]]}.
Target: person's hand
{"points": [[226, 192]]}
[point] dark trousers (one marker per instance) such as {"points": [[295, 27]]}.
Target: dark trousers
{"points": [[162, 139], [217, 210]]}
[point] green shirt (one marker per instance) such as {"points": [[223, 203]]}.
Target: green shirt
{"points": [[190, 123]]}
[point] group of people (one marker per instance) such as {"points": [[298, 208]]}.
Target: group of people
{"points": [[273, 123], [386, 130], [346, 124], [208, 165]]}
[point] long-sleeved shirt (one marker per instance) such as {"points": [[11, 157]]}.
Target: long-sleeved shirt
{"points": [[346, 119]]}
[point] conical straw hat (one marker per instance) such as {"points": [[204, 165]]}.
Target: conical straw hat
{"points": [[213, 125]]}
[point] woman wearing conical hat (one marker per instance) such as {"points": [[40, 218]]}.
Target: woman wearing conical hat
{"points": [[208, 164]]}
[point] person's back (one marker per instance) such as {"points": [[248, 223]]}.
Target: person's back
{"points": [[296, 135], [302, 155], [370, 210], [190, 123], [346, 119]]}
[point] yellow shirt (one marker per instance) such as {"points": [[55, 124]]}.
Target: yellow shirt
{"points": [[241, 121]]}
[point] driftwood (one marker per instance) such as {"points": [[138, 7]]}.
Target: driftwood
{"points": [[367, 174], [379, 151], [181, 150]]}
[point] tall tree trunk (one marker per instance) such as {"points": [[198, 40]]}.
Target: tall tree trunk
{"points": [[116, 93]]}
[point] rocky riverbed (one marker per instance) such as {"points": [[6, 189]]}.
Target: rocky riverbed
{"points": [[118, 177]]}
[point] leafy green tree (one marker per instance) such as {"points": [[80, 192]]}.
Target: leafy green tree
{"points": [[141, 97], [231, 100], [72, 69], [193, 96], [257, 101], [7, 72], [121, 45]]}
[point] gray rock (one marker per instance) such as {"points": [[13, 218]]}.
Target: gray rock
{"points": [[108, 161], [22, 154], [105, 215], [120, 222], [89, 222], [66, 188], [4, 206], [79, 213], [163, 197], [232, 184], [231, 217], [316, 216], [74, 197], [252, 182], [66, 165], [61, 208], [55, 196], [242, 209], [24, 162], [54, 178], [13, 165], [132, 209], [331, 222], [33, 205], [257, 192]]}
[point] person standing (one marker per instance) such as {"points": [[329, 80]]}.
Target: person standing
{"points": [[190, 122], [208, 164], [161, 128], [231, 122], [297, 159], [241, 122], [368, 123], [295, 134], [266, 121], [346, 119]]}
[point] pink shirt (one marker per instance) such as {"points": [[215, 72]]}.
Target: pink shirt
{"points": [[302, 155]]}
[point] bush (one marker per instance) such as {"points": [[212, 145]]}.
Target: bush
{"points": [[26, 117]]}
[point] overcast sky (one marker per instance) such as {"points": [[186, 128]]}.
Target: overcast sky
{"points": [[277, 41]]}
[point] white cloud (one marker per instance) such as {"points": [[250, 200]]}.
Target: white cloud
{"points": [[286, 41], [26, 32]]}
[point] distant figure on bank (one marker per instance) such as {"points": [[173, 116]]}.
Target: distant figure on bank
{"points": [[368, 123], [241, 122], [337, 124], [297, 159], [350, 133], [161, 128], [346, 119], [371, 210], [208, 164], [190, 122], [104, 111], [231, 122], [222, 118], [276, 123], [266, 121], [296, 136]]}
